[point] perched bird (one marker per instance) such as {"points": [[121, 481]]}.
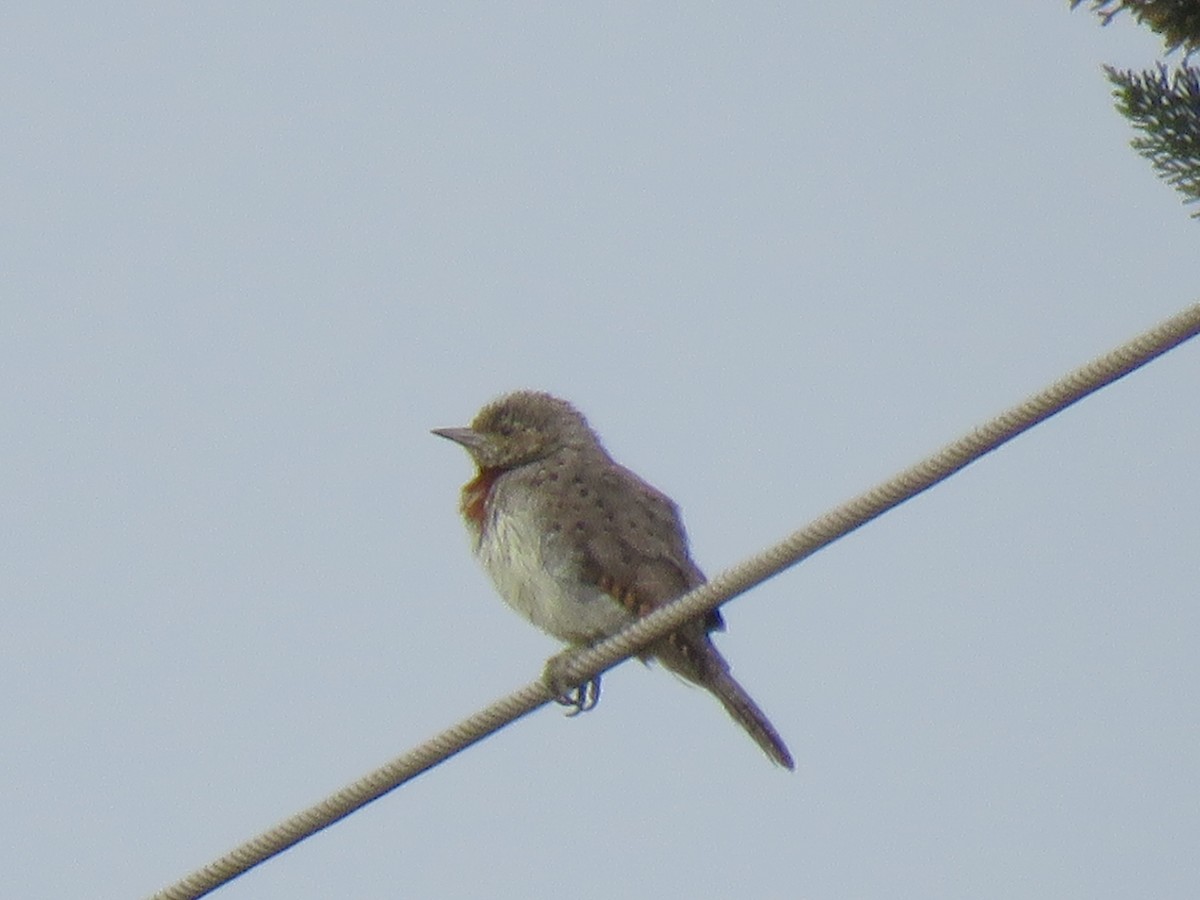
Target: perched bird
{"points": [[581, 546]]}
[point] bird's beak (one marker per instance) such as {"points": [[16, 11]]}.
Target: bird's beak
{"points": [[465, 436]]}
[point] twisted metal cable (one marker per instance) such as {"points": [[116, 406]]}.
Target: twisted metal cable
{"points": [[797, 546]]}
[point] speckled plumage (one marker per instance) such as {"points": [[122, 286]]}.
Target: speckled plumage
{"points": [[581, 546]]}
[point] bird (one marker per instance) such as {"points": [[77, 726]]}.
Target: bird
{"points": [[582, 547]]}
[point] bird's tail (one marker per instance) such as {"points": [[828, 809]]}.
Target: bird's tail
{"points": [[742, 708], [690, 652]]}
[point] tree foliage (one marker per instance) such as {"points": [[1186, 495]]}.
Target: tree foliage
{"points": [[1178, 21], [1164, 106]]}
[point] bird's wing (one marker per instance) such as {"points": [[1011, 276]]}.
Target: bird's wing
{"points": [[634, 545]]}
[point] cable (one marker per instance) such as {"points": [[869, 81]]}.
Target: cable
{"points": [[590, 662]]}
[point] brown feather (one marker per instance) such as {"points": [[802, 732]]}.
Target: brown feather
{"points": [[475, 494]]}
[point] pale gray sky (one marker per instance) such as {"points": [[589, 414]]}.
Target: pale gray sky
{"points": [[253, 252]]}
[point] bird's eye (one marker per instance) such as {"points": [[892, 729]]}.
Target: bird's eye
{"points": [[506, 430]]}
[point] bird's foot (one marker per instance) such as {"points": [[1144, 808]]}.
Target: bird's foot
{"points": [[579, 697]]}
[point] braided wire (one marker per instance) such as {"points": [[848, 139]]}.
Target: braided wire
{"points": [[592, 661]]}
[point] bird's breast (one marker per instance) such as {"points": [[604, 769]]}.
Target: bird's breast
{"points": [[535, 572]]}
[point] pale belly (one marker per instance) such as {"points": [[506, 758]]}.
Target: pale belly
{"points": [[542, 586]]}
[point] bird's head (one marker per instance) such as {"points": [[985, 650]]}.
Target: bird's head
{"points": [[521, 428]]}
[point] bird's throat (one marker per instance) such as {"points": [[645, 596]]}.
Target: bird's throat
{"points": [[475, 495]]}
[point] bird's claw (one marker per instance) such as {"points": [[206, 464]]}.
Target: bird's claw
{"points": [[579, 697]]}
